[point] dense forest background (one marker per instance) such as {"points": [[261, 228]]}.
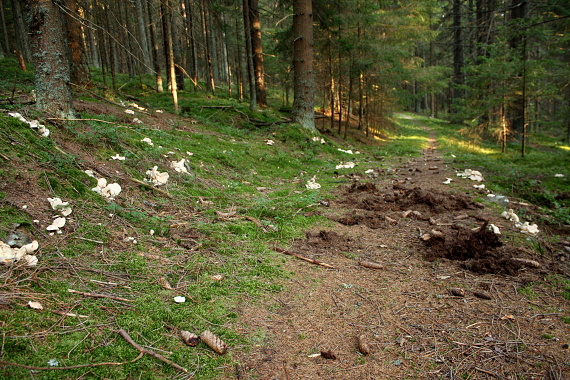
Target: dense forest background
{"points": [[499, 67]]}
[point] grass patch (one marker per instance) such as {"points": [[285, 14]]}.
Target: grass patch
{"points": [[531, 178]]}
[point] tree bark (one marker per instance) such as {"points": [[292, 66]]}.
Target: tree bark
{"points": [[155, 52], [257, 51], [168, 50], [457, 50], [189, 18], [516, 113], [6, 49], [206, 31], [304, 84], [249, 56], [143, 36], [47, 36], [22, 44], [79, 70]]}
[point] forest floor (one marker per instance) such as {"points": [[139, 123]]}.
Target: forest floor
{"points": [[456, 306], [457, 303]]}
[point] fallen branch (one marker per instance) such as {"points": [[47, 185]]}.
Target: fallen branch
{"points": [[95, 295], [98, 120], [487, 372], [34, 368], [152, 187], [371, 265], [143, 350], [312, 261]]}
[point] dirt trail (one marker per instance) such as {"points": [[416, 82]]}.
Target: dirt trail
{"points": [[449, 307]]}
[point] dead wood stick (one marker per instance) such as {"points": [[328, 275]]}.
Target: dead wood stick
{"points": [[371, 264], [152, 187], [312, 261], [142, 350], [34, 368], [95, 295], [99, 120], [188, 76], [487, 372]]}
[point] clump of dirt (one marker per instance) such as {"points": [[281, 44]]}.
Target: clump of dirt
{"points": [[329, 240], [435, 200], [370, 220], [373, 209], [480, 251], [368, 187], [324, 242]]}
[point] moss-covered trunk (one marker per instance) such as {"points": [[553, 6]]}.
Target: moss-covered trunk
{"points": [[49, 50]]}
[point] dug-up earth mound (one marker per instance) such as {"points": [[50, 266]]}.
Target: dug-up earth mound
{"points": [[409, 282]]}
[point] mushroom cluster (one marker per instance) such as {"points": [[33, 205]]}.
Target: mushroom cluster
{"points": [[10, 254], [34, 124], [155, 177]]}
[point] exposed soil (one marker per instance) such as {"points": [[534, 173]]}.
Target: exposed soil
{"points": [[445, 305], [448, 301]]}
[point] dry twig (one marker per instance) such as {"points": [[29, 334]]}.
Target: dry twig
{"points": [[95, 295], [34, 368], [143, 350], [312, 261]]}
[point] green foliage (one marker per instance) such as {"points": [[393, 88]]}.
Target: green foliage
{"points": [[15, 79]]}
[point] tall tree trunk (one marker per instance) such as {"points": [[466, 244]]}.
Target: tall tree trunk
{"points": [[349, 100], [143, 36], [6, 49], [206, 31], [457, 50], [155, 51], [304, 101], [128, 56], [189, 17], [339, 91], [249, 56], [79, 70], [168, 50], [241, 71], [22, 44], [177, 51], [47, 36], [111, 54], [94, 56], [332, 93], [516, 113], [257, 50], [225, 56]]}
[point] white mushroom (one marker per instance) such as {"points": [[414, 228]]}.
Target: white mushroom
{"points": [[345, 165], [58, 205], [495, 229], [111, 190], [312, 185], [179, 166], [526, 228], [157, 178], [56, 224]]}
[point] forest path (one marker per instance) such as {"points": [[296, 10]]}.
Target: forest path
{"points": [[420, 319]]}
